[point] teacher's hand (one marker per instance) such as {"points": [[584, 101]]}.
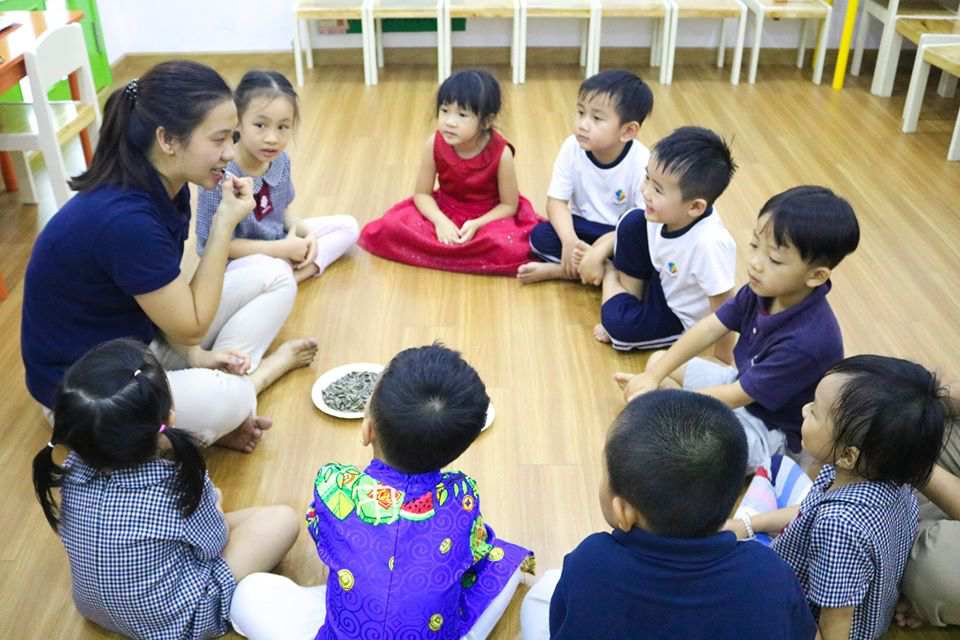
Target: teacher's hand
{"points": [[237, 202]]}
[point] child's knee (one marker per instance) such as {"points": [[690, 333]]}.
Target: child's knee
{"points": [[286, 520]]}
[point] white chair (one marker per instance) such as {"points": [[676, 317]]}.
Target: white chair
{"points": [[376, 10], [46, 125], [473, 9], [810, 12], [587, 11], [943, 52], [306, 10], [719, 9], [888, 54], [660, 11]]}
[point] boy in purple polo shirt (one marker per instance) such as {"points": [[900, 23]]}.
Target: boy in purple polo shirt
{"points": [[789, 336]]}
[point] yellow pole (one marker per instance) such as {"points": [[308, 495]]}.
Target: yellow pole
{"points": [[849, 21]]}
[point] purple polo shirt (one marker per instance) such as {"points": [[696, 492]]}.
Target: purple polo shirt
{"points": [[781, 357]]}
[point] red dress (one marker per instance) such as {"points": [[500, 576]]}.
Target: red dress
{"points": [[468, 189]]}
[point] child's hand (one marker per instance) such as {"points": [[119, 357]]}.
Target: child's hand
{"points": [[237, 202], [311, 254], [296, 249], [737, 527], [635, 385], [447, 232], [568, 262], [235, 362], [468, 230], [592, 268]]}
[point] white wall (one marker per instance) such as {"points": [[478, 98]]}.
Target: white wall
{"points": [[221, 26]]}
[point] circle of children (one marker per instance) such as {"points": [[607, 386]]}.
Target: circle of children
{"points": [[151, 553]]}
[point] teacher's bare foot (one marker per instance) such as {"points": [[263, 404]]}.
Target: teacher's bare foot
{"points": [[292, 354], [246, 437]]}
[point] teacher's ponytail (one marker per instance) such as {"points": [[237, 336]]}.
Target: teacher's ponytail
{"points": [[175, 95]]}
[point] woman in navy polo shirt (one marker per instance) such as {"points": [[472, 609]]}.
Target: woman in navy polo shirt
{"points": [[108, 264]]}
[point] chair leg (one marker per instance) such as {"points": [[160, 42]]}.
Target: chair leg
{"points": [[722, 46], [755, 50], [863, 28], [918, 86], [887, 57], [297, 54], [307, 45], [515, 49], [802, 47], [657, 41], [953, 153], [522, 53], [669, 57], [947, 87], [379, 43], [584, 36], [593, 41], [28, 186], [53, 159], [738, 51], [821, 52]]}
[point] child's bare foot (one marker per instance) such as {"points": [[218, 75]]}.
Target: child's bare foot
{"points": [[601, 334], [579, 250], [246, 437], [292, 354], [539, 272], [906, 616], [305, 273]]}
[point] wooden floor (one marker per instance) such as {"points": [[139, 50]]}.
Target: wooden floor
{"points": [[539, 466]]}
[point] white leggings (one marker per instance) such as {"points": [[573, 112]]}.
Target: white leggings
{"points": [[266, 606], [334, 235], [258, 295]]}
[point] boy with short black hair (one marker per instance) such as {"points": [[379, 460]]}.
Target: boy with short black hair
{"points": [[673, 473], [597, 177], [789, 336], [674, 262]]}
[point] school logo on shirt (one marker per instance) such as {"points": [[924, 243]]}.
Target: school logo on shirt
{"points": [[263, 204], [673, 268], [619, 196]]}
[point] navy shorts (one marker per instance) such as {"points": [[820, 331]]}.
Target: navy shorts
{"points": [[546, 245], [641, 324]]}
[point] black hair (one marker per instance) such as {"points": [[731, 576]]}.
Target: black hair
{"points": [[473, 89], [175, 95], [631, 96], [700, 159], [819, 223], [265, 84], [678, 458], [895, 412], [108, 410], [427, 407]]}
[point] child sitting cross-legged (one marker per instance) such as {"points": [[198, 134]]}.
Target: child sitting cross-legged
{"points": [[877, 425], [409, 553], [789, 335], [674, 463]]}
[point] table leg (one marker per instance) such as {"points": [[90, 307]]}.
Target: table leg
{"points": [[849, 22], [84, 135]]}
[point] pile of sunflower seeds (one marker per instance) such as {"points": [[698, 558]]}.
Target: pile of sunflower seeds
{"points": [[351, 392]]}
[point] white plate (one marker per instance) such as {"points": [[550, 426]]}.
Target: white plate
{"points": [[332, 376]]}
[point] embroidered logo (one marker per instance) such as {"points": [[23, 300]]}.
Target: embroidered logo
{"points": [[620, 196], [672, 268]]}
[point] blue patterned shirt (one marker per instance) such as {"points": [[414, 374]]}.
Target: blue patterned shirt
{"points": [[139, 567], [279, 193], [849, 548]]}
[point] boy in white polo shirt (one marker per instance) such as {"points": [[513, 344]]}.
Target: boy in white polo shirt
{"points": [[674, 262], [597, 177]]}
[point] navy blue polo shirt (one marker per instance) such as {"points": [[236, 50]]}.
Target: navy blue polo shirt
{"points": [[101, 249], [781, 357], [640, 585]]}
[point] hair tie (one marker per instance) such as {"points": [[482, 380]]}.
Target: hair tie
{"points": [[163, 428], [50, 444], [136, 373], [131, 91]]}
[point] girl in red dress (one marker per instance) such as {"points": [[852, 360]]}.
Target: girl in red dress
{"points": [[476, 221]]}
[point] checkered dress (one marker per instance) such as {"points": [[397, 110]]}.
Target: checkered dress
{"points": [[139, 568], [270, 227], [849, 548]]}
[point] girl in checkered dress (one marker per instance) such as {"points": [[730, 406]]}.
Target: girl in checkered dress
{"points": [[151, 553], [877, 426]]}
